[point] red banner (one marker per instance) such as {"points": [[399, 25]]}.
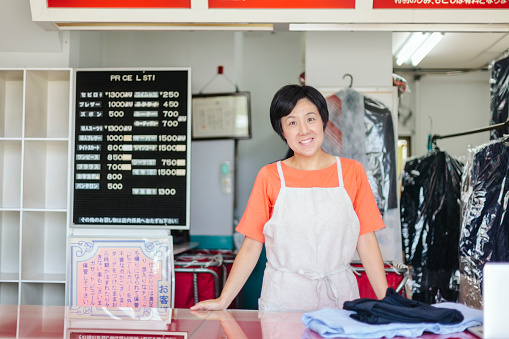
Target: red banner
{"points": [[282, 4], [441, 4], [120, 3]]}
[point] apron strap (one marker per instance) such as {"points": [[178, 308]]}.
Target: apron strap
{"points": [[340, 172], [280, 172], [332, 290], [320, 278]]}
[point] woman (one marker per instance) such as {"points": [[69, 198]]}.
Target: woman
{"points": [[312, 211]]}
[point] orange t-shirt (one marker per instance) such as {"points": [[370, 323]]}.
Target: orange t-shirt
{"points": [[267, 185]]}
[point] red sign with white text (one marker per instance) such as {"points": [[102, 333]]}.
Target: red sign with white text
{"points": [[282, 4], [119, 3], [441, 4]]}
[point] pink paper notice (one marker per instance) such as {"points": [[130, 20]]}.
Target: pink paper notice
{"points": [[120, 277]]}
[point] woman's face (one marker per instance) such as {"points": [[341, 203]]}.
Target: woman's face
{"points": [[303, 128]]}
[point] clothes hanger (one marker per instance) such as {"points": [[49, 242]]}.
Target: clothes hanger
{"points": [[351, 79]]}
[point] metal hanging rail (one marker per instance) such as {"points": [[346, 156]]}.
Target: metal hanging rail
{"points": [[477, 130]]}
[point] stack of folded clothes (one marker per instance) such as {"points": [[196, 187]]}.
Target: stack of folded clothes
{"points": [[389, 317]]}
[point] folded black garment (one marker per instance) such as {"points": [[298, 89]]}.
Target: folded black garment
{"points": [[397, 309]]}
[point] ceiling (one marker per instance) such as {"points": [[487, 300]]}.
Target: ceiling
{"points": [[458, 51]]}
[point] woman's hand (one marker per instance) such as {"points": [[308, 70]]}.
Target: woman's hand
{"points": [[209, 305]]}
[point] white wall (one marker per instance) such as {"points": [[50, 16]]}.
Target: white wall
{"points": [[174, 49], [86, 49], [367, 56], [24, 43], [447, 104]]}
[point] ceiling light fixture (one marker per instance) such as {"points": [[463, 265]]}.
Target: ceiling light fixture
{"points": [[425, 48], [417, 46]]}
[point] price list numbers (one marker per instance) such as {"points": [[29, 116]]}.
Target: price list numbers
{"points": [[131, 150]]}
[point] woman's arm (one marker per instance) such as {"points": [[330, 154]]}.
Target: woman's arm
{"points": [[243, 265], [371, 258]]}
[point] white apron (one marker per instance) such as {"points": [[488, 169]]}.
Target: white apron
{"points": [[310, 242]]}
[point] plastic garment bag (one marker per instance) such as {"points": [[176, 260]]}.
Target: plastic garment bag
{"points": [[499, 97], [361, 128], [485, 223], [381, 154], [345, 133], [430, 225]]}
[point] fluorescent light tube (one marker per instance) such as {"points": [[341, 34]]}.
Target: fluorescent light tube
{"points": [[426, 47], [411, 45]]}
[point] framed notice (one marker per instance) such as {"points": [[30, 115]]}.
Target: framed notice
{"points": [[131, 148], [222, 116], [118, 273]]}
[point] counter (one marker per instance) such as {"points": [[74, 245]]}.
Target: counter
{"points": [[50, 322]]}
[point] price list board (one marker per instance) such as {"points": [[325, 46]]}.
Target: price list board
{"points": [[132, 148]]}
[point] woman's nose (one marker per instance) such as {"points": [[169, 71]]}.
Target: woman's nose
{"points": [[303, 128]]}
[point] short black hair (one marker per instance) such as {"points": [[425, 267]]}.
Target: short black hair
{"points": [[286, 98]]}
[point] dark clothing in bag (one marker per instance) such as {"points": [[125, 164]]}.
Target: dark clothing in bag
{"points": [[397, 309]]}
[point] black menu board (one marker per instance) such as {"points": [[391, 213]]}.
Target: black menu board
{"points": [[132, 148]]}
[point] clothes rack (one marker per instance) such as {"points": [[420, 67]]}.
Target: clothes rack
{"points": [[435, 137]]}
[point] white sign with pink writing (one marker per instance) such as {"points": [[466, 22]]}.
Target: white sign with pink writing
{"points": [[112, 273]]}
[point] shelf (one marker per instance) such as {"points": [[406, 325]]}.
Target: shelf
{"points": [[9, 245], [34, 184], [9, 293], [46, 139], [45, 210], [47, 294], [11, 103], [47, 98], [46, 167], [43, 246], [9, 277], [45, 278], [10, 174]]}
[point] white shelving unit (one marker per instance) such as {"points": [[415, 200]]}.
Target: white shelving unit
{"points": [[35, 110]]}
